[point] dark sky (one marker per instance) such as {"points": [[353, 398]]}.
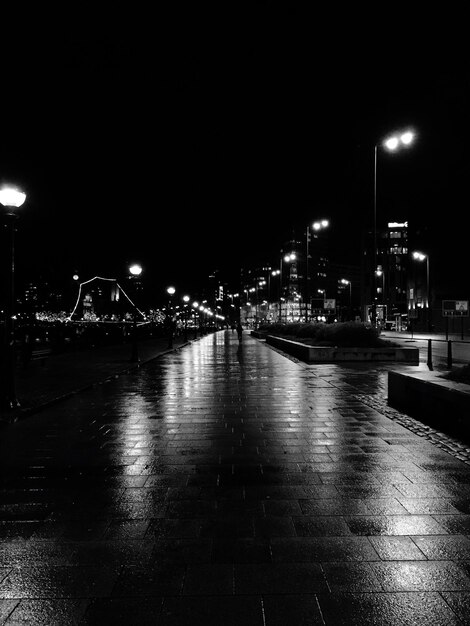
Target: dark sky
{"points": [[199, 138]]}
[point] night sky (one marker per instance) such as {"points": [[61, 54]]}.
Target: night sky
{"points": [[200, 138]]}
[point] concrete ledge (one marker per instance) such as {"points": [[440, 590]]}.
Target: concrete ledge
{"points": [[431, 399], [326, 354]]}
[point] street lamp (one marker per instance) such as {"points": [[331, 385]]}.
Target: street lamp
{"points": [[421, 256], [195, 306], [392, 143], [277, 273], [11, 199], [347, 282], [258, 284], [287, 258], [135, 271], [316, 226], [379, 272], [202, 319], [344, 281], [186, 300], [171, 292]]}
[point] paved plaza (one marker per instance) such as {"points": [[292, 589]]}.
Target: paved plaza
{"points": [[224, 483]]}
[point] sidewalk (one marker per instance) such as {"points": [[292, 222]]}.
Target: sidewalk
{"points": [[226, 484], [60, 375]]}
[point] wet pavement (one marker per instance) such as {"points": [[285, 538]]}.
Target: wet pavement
{"points": [[224, 484]]}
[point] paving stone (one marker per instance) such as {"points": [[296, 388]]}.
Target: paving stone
{"points": [[199, 487]]}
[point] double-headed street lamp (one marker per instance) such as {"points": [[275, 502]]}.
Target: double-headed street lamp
{"points": [[421, 256], [287, 258], [393, 143], [316, 226], [11, 199], [278, 273], [258, 284], [186, 300], [344, 281]]}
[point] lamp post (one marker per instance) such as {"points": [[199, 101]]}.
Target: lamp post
{"points": [[344, 281], [186, 300], [288, 258], [202, 319], [392, 143], [11, 199], [379, 272], [171, 292], [316, 226], [277, 273], [258, 284], [421, 256], [135, 271]]}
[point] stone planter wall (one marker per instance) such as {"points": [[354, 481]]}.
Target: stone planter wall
{"points": [[320, 354], [431, 399]]}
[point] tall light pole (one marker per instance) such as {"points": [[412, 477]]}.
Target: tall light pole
{"points": [[186, 300], [258, 284], [316, 226], [392, 143], [11, 199], [421, 256], [171, 292], [287, 258], [277, 273], [344, 281], [135, 271], [379, 272], [202, 310]]}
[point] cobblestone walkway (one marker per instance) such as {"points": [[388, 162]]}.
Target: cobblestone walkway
{"points": [[378, 400]]}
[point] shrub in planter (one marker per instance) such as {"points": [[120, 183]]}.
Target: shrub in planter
{"points": [[341, 334], [459, 375]]}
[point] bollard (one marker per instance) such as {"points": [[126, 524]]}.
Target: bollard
{"points": [[430, 354], [449, 355]]}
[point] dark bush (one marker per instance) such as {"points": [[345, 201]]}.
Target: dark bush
{"points": [[343, 334], [459, 375]]}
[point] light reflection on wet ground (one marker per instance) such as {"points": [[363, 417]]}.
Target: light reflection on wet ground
{"points": [[228, 484]]}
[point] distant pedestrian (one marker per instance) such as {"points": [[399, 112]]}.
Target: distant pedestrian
{"points": [[239, 331]]}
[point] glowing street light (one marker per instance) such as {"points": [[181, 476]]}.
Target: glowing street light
{"points": [[287, 258], [135, 270], [186, 300], [320, 224], [171, 292], [421, 256], [11, 198], [317, 226], [380, 273], [392, 143], [347, 282]]}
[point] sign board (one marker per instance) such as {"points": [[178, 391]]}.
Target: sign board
{"points": [[455, 308], [329, 303], [376, 312]]}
